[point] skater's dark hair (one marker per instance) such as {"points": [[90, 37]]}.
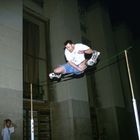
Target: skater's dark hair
{"points": [[68, 41]]}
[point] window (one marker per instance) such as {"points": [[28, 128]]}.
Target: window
{"points": [[35, 58]]}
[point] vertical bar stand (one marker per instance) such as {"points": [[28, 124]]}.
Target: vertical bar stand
{"points": [[32, 120], [133, 97]]}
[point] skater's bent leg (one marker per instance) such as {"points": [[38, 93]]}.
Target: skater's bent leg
{"points": [[59, 70]]}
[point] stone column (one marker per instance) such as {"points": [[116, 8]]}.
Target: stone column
{"points": [[11, 98], [70, 107], [111, 100]]}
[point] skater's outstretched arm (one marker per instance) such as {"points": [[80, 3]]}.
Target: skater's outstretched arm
{"points": [[88, 51]]}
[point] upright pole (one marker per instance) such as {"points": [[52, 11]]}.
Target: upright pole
{"points": [[32, 120], [133, 97]]}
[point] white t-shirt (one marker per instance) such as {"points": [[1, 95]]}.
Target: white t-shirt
{"points": [[74, 56], [6, 132]]}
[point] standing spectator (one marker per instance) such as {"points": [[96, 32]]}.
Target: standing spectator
{"points": [[7, 130]]}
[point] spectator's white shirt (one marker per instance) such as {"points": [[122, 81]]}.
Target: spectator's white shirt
{"points": [[6, 132], [74, 56]]}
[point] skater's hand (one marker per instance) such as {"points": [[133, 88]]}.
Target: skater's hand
{"points": [[82, 67]]}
